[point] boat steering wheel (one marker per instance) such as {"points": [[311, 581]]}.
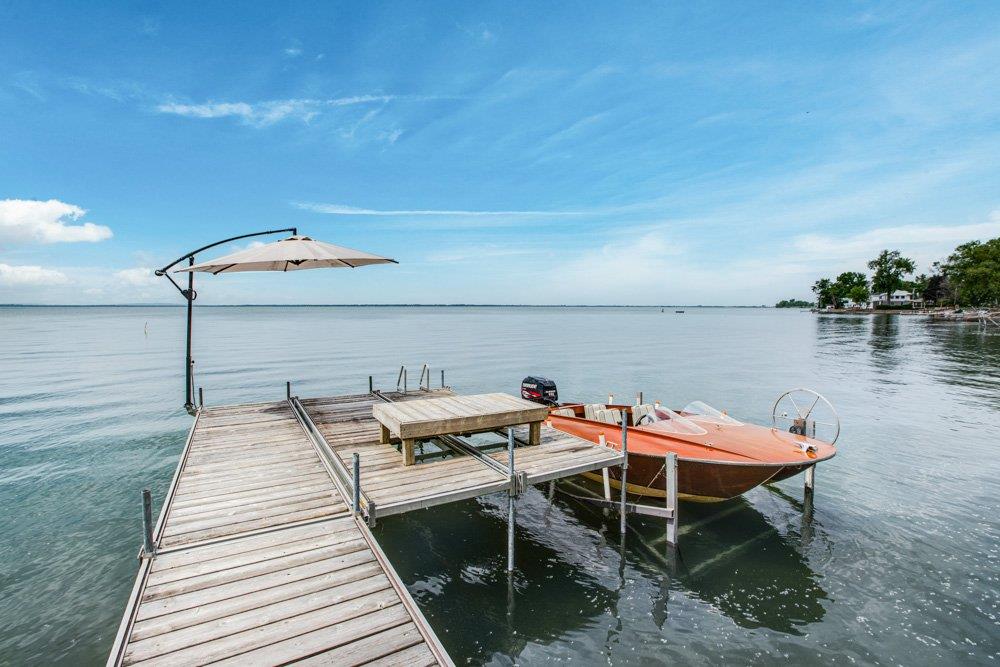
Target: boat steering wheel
{"points": [[645, 419], [797, 410]]}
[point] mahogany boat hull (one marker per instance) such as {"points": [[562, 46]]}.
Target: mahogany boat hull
{"points": [[717, 465], [706, 482]]}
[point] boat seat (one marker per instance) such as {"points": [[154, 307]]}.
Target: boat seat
{"points": [[590, 410], [612, 416], [563, 412], [640, 411]]}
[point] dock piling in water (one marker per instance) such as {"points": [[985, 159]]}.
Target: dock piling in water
{"points": [[511, 494], [670, 472], [624, 467], [148, 549]]}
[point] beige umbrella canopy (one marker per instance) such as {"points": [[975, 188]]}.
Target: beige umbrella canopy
{"points": [[294, 253]]}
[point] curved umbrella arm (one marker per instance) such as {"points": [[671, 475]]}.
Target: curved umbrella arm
{"points": [[163, 271]]}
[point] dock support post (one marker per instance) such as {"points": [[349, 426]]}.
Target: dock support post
{"points": [[638, 398], [624, 471], [442, 378], [810, 479], [371, 386], [201, 397], [670, 472], [356, 500], [511, 493], [148, 550], [288, 390], [603, 442], [404, 380]]}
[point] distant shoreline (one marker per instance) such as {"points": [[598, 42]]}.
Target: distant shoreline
{"points": [[363, 305]]}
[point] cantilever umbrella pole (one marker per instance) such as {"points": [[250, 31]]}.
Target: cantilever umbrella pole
{"points": [[190, 295]]}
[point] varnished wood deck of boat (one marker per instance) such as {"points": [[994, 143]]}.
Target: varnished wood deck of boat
{"points": [[260, 562]]}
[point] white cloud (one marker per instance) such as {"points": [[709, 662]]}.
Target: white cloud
{"points": [[925, 240], [293, 52], [477, 253], [24, 220], [22, 276], [138, 277], [342, 209], [268, 112]]}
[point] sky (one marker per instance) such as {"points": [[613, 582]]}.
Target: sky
{"points": [[509, 153]]}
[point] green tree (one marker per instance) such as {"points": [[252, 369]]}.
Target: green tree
{"points": [[919, 284], [793, 303], [888, 270], [859, 294], [973, 270], [938, 289], [824, 292]]}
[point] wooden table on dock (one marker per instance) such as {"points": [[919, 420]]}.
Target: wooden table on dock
{"points": [[422, 419]]}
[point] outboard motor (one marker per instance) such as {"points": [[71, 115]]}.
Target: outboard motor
{"points": [[539, 390]]}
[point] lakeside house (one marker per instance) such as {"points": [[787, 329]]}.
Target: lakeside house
{"points": [[896, 299]]}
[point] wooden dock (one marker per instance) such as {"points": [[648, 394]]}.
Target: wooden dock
{"points": [[259, 557]]}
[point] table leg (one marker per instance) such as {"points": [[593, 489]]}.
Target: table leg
{"points": [[408, 458], [535, 433], [384, 437]]}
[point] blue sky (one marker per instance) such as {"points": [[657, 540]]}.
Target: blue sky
{"points": [[585, 153]]}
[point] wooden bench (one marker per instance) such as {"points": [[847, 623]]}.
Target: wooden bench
{"points": [[410, 421]]}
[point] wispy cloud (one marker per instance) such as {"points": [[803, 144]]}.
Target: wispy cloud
{"points": [[269, 112], [478, 253], [138, 277], [26, 220], [928, 242], [22, 276], [342, 209]]}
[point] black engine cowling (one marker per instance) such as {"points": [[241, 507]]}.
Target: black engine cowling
{"points": [[539, 390]]}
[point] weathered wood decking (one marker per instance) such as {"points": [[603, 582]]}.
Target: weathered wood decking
{"points": [[348, 427], [261, 561]]}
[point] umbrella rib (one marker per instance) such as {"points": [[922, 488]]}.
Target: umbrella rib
{"points": [[344, 261], [227, 266]]}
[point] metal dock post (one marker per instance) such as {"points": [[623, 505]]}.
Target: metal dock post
{"points": [[511, 493], [603, 442], [624, 468], [148, 548], [670, 472], [356, 486]]}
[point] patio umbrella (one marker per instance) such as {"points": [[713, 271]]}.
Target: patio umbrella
{"points": [[294, 253]]}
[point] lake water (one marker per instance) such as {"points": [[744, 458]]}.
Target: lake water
{"points": [[900, 563]]}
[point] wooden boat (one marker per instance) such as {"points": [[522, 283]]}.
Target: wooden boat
{"points": [[718, 457]]}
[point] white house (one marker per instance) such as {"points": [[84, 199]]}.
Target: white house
{"points": [[897, 298]]}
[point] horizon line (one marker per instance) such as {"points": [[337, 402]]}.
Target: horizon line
{"points": [[372, 305]]}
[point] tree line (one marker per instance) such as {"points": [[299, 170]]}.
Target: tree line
{"points": [[969, 277]]}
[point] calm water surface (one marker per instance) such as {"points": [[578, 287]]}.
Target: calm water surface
{"points": [[899, 565]]}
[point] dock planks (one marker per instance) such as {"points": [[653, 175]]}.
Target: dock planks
{"points": [[259, 559], [260, 562], [348, 427]]}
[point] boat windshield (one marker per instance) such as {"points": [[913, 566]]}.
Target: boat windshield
{"points": [[667, 421], [704, 412]]}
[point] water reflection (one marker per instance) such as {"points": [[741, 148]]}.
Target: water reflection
{"points": [[731, 557], [967, 356], [458, 552]]}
